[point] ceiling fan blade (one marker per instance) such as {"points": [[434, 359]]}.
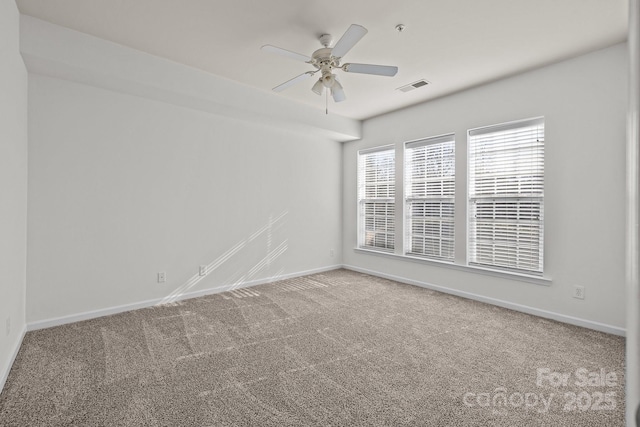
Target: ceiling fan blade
{"points": [[284, 52], [348, 40], [378, 70], [293, 81]]}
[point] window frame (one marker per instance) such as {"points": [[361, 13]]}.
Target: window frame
{"points": [[507, 126], [409, 199], [361, 220]]}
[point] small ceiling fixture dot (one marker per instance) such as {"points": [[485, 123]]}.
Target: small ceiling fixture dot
{"points": [[400, 28]]}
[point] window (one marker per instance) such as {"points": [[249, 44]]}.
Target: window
{"points": [[376, 199], [429, 197], [506, 191]]}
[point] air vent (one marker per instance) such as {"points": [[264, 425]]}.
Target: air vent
{"points": [[412, 86]]}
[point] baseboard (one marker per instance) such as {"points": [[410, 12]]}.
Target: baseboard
{"points": [[42, 324], [48, 323], [500, 303], [16, 349]]}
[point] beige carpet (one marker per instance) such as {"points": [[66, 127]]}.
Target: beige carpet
{"points": [[331, 349]]}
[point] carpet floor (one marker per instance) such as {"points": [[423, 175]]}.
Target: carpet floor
{"points": [[332, 349]]}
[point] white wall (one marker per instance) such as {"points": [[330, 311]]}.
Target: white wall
{"points": [[140, 165], [583, 101], [13, 186], [122, 187]]}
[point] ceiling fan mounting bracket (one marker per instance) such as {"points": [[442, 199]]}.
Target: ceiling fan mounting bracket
{"points": [[325, 40]]}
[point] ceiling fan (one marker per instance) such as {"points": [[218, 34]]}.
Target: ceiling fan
{"points": [[327, 59]]}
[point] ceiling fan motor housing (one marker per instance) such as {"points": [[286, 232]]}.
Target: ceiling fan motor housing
{"points": [[325, 62], [322, 58]]}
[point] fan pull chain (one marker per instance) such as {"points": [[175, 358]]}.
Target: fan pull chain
{"points": [[326, 102]]}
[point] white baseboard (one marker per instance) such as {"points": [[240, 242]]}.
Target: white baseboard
{"points": [[494, 301], [500, 303], [48, 323], [16, 349]]}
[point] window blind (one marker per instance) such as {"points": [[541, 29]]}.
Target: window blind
{"points": [[429, 197], [506, 195], [376, 199]]}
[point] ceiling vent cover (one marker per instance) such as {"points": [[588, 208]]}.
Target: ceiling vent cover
{"points": [[412, 86]]}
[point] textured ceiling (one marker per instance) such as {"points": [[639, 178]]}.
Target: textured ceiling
{"points": [[454, 44]]}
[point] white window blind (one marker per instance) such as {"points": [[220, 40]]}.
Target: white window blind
{"points": [[376, 199], [506, 194], [429, 197]]}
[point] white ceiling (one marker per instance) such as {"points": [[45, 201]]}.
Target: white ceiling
{"points": [[454, 44]]}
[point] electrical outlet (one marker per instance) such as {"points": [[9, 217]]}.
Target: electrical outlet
{"points": [[8, 326], [331, 253], [578, 292], [203, 270], [162, 277]]}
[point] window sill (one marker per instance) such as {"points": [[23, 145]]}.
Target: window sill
{"points": [[538, 280]]}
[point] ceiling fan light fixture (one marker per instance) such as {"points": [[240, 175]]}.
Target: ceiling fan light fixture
{"points": [[318, 87], [328, 80], [337, 92]]}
